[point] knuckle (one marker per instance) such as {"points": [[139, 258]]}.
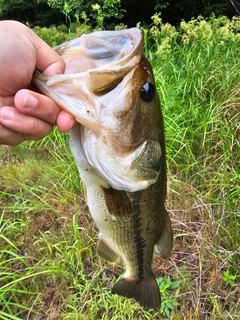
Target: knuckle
{"points": [[37, 129], [33, 125]]}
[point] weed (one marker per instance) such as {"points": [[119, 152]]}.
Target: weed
{"points": [[169, 301], [229, 278]]}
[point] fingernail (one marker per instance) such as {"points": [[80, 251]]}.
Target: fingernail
{"points": [[29, 101], [7, 114]]}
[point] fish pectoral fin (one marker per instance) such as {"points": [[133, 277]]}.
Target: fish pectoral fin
{"points": [[105, 252], [147, 161], [165, 242], [117, 202], [148, 156], [145, 292]]}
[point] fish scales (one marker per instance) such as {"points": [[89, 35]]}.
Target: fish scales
{"points": [[119, 149]]}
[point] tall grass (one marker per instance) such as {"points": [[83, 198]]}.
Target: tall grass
{"points": [[197, 73], [48, 265]]}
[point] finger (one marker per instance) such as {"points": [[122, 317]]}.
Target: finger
{"points": [[9, 137], [30, 127], [65, 121], [37, 105], [40, 106]]}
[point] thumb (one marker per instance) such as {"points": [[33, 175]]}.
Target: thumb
{"points": [[47, 60]]}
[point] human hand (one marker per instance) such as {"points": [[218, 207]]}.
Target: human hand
{"points": [[26, 114]]}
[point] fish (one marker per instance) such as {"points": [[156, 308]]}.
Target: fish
{"points": [[119, 148]]}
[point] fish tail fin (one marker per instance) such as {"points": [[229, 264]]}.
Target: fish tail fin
{"points": [[165, 242], [145, 292]]}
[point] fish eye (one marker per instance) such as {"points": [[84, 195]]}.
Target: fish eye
{"points": [[147, 92]]}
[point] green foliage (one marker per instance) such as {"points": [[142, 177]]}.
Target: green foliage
{"points": [[195, 63], [229, 278], [35, 12], [174, 11], [11, 6], [95, 11], [161, 4], [48, 12], [169, 300], [197, 74], [15, 269], [67, 7], [55, 35]]}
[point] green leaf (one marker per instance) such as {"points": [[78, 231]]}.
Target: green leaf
{"points": [[176, 284]]}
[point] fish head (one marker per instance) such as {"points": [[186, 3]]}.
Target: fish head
{"points": [[136, 108], [108, 85]]}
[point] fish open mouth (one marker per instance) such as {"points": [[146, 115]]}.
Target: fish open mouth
{"points": [[101, 58], [95, 64]]}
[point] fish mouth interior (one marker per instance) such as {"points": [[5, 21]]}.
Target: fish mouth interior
{"points": [[101, 51], [110, 50], [98, 52], [96, 63], [102, 90]]}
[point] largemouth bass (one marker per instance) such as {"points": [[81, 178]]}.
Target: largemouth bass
{"points": [[119, 148]]}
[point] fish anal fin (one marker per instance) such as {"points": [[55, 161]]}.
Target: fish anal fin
{"points": [[106, 253], [145, 292], [165, 242]]}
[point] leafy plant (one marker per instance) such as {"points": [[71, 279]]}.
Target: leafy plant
{"points": [[229, 278], [168, 295], [96, 11]]}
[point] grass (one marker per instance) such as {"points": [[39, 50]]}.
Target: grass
{"points": [[48, 263]]}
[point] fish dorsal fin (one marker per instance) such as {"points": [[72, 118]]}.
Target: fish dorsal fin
{"points": [[165, 242], [105, 252]]}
